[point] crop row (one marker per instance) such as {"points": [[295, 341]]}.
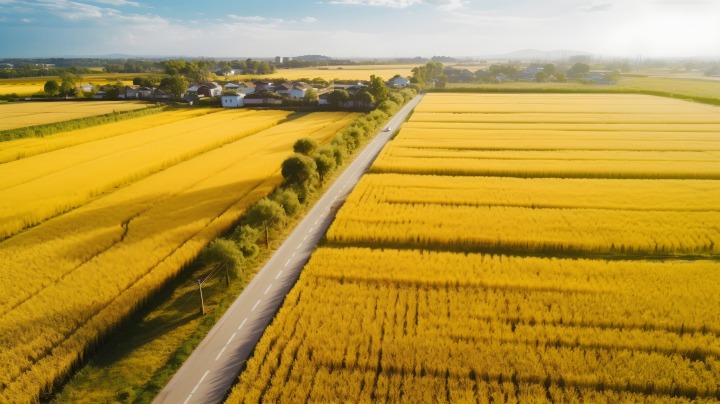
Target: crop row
{"points": [[469, 120], [370, 325], [676, 195]]}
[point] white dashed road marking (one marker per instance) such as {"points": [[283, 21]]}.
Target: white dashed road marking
{"points": [[268, 289], [278, 275], [243, 323], [253, 309]]}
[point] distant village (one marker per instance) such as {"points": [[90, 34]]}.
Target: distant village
{"points": [[236, 94]]}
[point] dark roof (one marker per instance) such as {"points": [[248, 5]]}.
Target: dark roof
{"points": [[260, 82], [284, 86]]}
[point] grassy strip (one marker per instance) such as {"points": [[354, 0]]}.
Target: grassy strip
{"points": [[75, 124], [501, 89], [135, 364]]}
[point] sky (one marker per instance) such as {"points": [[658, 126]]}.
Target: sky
{"points": [[358, 28]]}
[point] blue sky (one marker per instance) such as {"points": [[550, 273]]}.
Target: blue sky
{"points": [[357, 28]]}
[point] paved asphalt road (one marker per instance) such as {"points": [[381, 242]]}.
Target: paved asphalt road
{"points": [[210, 371]]}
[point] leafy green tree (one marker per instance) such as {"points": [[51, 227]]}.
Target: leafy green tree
{"points": [[176, 84], [299, 169], [305, 146], [173, 67], [224, 252], [419, 74], [549, 69], [561, 76], [378, 89], [541, 76], [442, 80], [288, 200], [52, 87], [338, 97], [246, 239], [579, 76], [325, 161], [67, 89], [138, 81], [311, 95], [579, 68], [266, 214]]}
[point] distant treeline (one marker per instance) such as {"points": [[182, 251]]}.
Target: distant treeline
{"points": [[36, 71]]}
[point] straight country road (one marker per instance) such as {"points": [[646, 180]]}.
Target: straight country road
{"points": [[210, 371]]}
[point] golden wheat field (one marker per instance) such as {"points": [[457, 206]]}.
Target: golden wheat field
{"points": [[360, 72], [30, 86], [21, 114], [28, 147], [76, 275], [608, 205]]}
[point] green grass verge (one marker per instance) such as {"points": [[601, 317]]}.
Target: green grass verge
{"points": [[75, 124], [140, 359]]}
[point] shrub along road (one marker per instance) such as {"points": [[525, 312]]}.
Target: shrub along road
{"points": [[213, 367]]}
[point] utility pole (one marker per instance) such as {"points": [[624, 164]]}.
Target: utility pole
{"points": [[202, 303]]}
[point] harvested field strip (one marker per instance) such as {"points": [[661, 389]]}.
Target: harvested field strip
{"points": [[579, 108], [657, 195], [693, 156], [160, 225], [35, 201], [565, 127], [569, 144], [28, 147], [707, 170], [513, 228], [518, 133], [20, 114], [430, 119], [22, 171], [372, 324]]}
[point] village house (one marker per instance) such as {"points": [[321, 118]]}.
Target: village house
{"points": [[233, 101], [135, 92], [261, 85], [294, 90]]}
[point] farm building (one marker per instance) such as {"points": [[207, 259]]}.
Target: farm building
{"points": [[233, 101]]}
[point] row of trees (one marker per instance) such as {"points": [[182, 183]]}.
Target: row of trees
{"points": [[35, 71], [430, 71], [308, 167]]}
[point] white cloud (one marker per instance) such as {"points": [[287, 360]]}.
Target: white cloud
{"points": [[193, 22], [442, 4], [384, 3], [239, 17], [25, 20], [118, 2], [309, 19], [596, 7]]}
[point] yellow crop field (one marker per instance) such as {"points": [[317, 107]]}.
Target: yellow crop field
{"points": [[516, 228], [60, 183], [392, 326], [31, 85], [608, 204], [656, 195], [75, 276], [460, 121], [361, 72], [20, 114], [28, 147]]}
